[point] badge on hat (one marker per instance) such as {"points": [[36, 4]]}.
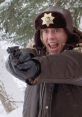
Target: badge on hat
{"points": [[47, 19]]}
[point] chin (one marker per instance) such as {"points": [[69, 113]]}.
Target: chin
{"points": [[54, 51]]}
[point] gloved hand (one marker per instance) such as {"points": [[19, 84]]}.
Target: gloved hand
{"points": [[31, 69], [21, 55], [24, 66]]}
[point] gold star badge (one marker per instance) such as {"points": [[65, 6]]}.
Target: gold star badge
{"points": [[47, 19]]}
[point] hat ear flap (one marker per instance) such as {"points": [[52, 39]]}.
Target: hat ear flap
{"points": [[73, 40], [37, 40]]}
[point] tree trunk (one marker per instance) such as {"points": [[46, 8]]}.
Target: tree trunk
{"points": [[8, 104]]}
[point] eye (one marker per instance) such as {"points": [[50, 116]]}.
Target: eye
{"points": [[54, 30], [45, 31], [58, 30]]}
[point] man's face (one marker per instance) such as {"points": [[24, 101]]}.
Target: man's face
{"points": [[54, 39]]}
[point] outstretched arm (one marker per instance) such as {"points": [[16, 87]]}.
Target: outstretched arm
{"points": [[63, 68]]}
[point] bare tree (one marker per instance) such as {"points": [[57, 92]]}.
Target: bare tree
{"points": [[7, 102]]}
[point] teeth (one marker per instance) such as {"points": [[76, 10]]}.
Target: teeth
{"points": [[53, 45]]}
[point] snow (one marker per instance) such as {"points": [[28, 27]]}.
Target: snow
{"points": [[5, 4], [15, 113], [14, 87]]}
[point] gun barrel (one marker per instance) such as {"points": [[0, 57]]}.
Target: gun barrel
{"points": [[12, 49]]}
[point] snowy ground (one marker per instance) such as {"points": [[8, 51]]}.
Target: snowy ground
{"points": [[14, 87], [16, 113]]}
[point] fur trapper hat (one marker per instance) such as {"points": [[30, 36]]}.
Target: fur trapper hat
{"points": [[55, 17]]}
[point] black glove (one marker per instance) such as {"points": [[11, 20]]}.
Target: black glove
{"points": [[31, 69], [24, 66], [20, 55]]}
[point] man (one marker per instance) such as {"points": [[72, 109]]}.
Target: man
{"points": [[52, 70]]}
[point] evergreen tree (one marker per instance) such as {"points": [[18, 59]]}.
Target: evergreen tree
{"points": [[17, 17]]}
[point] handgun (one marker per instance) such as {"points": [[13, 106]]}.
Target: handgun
{"points": [[14, 51]]}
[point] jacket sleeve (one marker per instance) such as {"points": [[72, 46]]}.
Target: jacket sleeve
{"points": [[63, 68]]}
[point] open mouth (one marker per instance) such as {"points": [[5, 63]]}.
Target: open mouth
{"points": [[53, 45]]}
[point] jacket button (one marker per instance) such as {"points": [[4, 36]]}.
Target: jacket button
{"points": [[46, 107]]}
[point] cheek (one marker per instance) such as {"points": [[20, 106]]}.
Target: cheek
{"points": [[63, 38]]}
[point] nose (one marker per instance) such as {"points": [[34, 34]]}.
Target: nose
{"points": [[51, 35]]}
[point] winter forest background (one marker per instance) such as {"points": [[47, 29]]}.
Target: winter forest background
{"points": [[17, 28]]}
